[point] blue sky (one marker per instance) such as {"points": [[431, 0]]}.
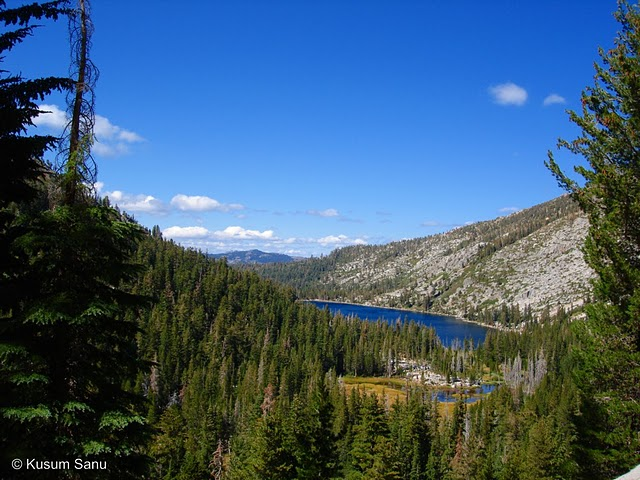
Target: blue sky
{"points": [[302, 126]]}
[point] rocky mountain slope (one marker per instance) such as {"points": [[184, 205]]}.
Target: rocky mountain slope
{"points": [[531, 258], [253, 256]]}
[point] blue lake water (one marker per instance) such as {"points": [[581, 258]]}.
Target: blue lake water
{"points": [[447, 328], [471, 395]]}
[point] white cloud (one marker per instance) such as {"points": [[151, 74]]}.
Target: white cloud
{"points": [[233, 233], [51, 117], [111, 140], [185, 232], [236, 232], [340, 240], [149, 204], [197, 203], [105, 130], [554, 99], [239, 238], [129, 137], [508, 94], [329, 212], [137, 202], [332, 239], [110, 149]]}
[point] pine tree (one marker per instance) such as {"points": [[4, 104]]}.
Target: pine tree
{"points": [[23, 168], [23, 172], [68, 341], [610, 196], [372, 450]]}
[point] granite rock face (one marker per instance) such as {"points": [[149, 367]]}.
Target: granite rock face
{"points": [[531, 258]]}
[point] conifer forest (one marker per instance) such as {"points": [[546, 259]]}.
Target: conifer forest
{"points": [[126, 355]]}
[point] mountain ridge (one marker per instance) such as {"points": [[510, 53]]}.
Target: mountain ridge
{"points": [[530, 259], [253, 256]]}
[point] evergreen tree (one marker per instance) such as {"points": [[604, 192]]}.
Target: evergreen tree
{"points": [[23, 172], [610, 196], [68, 338], [22, 154], [23, 169], [168, 447], [372, 450]]}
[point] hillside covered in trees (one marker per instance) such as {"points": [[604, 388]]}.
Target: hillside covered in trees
{"points": [[247, 382]]}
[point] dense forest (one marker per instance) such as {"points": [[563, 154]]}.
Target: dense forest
{"points": [[246, 376], [142, 359]]}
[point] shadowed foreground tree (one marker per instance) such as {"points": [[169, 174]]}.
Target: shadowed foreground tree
{"points": [[23, 173], [610, 196], [68, 338]]}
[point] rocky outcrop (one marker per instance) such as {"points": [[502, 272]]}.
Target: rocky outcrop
{"points": [[531, 258]]}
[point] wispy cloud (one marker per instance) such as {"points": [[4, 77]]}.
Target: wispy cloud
{"points": [[509, 209], [229, 233], [332, 213], [111, 140], [554, 99], [508, 94], [340, 240], [241, 238], [437, 224], [136, 203], [144, 203], [185, 232], [329, 212], [198, 203], [236, 232]]}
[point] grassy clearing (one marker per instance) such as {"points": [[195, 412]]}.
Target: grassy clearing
{"points": [[393, 389], [388, 388], [390, 382]]}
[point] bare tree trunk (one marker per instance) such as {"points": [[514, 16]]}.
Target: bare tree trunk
{"points": [[79, 170], [75, 156]]}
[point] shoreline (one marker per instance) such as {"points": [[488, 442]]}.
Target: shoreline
{"points": [[462, 319]]}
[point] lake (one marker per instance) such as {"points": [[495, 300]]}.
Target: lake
{"points": [[471, 394], [447, 328]]}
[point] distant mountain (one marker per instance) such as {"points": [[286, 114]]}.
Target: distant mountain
{"points": [[531, 258], [253, 257]]}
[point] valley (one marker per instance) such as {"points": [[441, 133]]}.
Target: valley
{"points": [[506, 349]]}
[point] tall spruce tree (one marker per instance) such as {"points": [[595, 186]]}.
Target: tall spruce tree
{"points": [[68, 338], [20, 153], [610, 196], [23, 173]]}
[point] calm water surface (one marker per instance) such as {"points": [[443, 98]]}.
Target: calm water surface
{"points": [[447, 328], [471, 394]]}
